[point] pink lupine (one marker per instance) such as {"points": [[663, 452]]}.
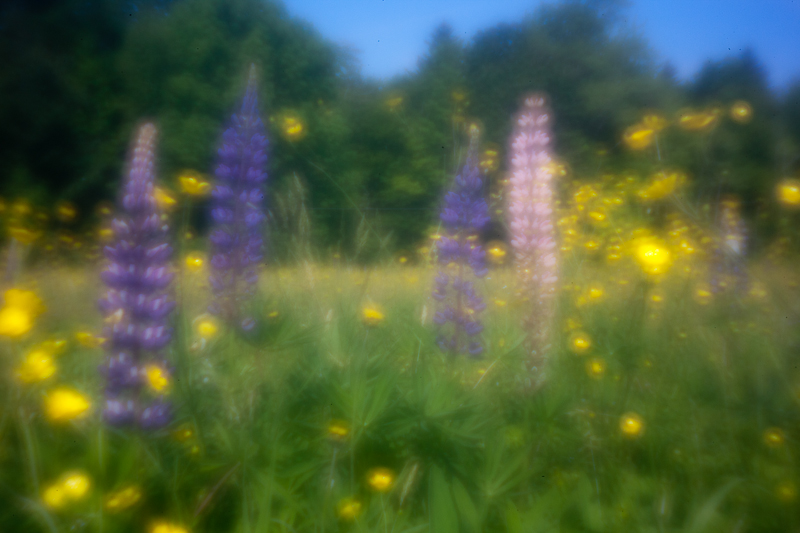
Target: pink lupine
{"points": [[531, 225]]}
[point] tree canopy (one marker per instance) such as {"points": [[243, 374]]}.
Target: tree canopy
{"points": [[78, 75]]}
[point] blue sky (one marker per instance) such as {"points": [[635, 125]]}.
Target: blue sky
{"points": [[389, 35]]}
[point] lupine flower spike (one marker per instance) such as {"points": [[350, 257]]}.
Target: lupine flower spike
{"points": [[531, 225], [464, 215], [137, 304], [236, 241]]}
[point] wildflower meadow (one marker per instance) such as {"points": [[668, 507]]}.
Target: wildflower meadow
{"points": [[544, 346]]}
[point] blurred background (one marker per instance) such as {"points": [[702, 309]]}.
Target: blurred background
{"points": [[367, 102]]}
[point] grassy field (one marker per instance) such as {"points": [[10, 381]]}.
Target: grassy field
{"points": [[666, 408]]}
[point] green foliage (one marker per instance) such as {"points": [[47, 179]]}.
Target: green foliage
{"points": [[470, 447], [79, 75]]}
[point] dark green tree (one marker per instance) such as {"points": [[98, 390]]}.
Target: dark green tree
{"points": [[737, 158]]}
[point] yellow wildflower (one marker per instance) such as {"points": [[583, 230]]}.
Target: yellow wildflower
{"points": [[104, 209], [596, 368], [556, 168], [338, 429], [65, 211], [21, 207], [53, 346], [206, 326], [105, 234], [596, 292], [741, 111], [183, 433], [496, 251], [789, 193], [123, 499], [88, 339], [293, 128], [638, 136], [27, 300], [580, 342], [64, 404], [162, 526], [702, 294], [71, 487], [157, 378], [686, 247], [653, 257], [489, 160], [631, 425], [697, 121], [583, 195], [500, 303], [53, 496], [193, 184], [661, 185], [37, 366], [774, 437], [655, 122], [76, 485], [597, 216], [18, 312], [14, 322], [348, 509], [591, 245], [656, 297], [371, 316], [380, 479], [194, 262], [164, 199], [22, 235]]}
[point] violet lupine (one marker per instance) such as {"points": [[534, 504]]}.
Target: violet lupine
{"points": [[531, 224], [236, 237], [464, 214], [137, 304]]}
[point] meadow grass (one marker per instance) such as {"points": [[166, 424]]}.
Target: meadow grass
{"points": [[676, 412]]}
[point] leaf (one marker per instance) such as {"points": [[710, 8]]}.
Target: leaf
{"points": [[513, 521], [443, 516], [503, 472], [703, 516], [466, 507], [378, 399]]}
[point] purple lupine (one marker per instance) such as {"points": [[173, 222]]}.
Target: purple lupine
{"points": [[236, 241], [137, 304], [531, 224], [464, 214]]}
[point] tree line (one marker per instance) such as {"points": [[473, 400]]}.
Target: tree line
{"points": [[80, 74]]}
